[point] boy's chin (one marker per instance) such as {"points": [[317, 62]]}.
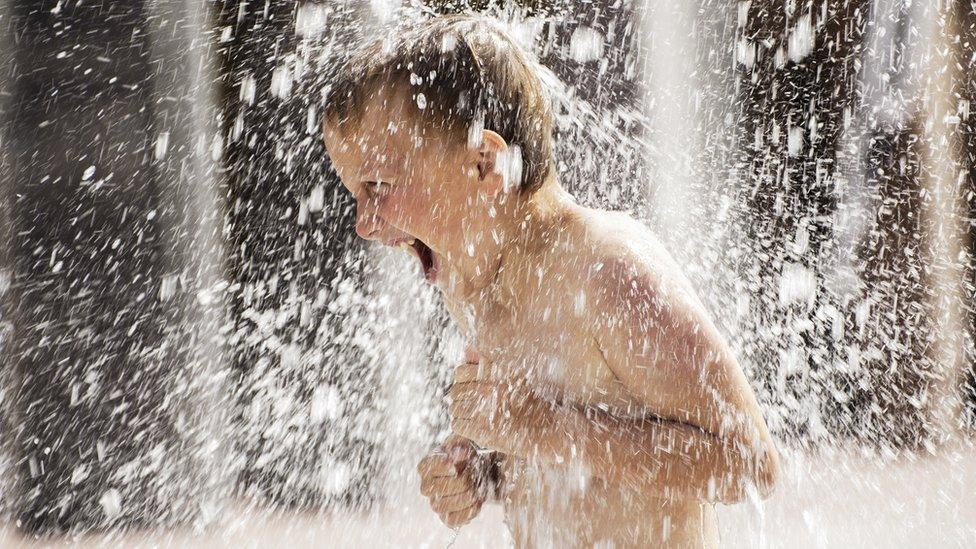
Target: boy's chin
{"points": [[447, 282]]}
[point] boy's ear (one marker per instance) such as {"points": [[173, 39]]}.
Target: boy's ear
{"points": [[492, 145]]}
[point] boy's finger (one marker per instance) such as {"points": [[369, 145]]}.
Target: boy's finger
{"points": [[462, 517], [467, 409], [459, 450], [454, 502], [454, 442], [472, 390], [468, 428], [467, 372], [444, 486], [462, 458], [436, 465]]}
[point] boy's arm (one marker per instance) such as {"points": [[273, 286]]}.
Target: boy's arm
{"points": [[710, 439], [652, 454], [704, 436], [660, 456], [493, 481]]}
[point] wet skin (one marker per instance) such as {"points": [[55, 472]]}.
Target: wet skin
{"points": [[594, 370]]}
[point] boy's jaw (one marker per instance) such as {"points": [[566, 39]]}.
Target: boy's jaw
{"points": [[430, 263]]}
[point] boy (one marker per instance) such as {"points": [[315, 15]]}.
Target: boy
{"points": [[612, 409]]}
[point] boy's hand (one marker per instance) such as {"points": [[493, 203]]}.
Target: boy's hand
{"points": [[455, 480], [495, 414]]}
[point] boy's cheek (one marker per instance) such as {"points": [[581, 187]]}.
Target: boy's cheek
{"points": [[401, 210], [388, 210]]}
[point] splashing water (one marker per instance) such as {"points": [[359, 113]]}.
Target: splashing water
{"points": [[199, 350]]}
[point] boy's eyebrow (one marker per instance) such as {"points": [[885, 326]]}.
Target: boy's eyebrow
{"points": [[379, 164], [368, 173]]}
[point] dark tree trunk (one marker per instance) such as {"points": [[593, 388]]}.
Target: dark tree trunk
{"points": [[896, 328], [845, 352], [965, 55], [595, 48], [799, 71], [7, 423], [105, 365]]}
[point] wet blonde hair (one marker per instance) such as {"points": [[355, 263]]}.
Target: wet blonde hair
{"points": [[463, 72]]}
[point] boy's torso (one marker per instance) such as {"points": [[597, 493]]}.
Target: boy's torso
{"points": [[562, 506], [544, 332]]}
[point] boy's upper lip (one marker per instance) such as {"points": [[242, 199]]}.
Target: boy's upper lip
{"points": [[396, 241]]}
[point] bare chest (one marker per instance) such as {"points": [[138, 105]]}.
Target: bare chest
{"points": [[549, 343]]}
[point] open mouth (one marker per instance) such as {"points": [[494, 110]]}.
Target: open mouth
{"points": [[428, 260]]}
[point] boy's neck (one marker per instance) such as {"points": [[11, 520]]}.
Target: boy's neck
{"points": [[523, 227]]}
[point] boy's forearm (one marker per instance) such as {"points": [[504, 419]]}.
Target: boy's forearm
{"points": [[665, 457]]}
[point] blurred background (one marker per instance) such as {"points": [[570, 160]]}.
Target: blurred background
{"points": [[195, 350]]}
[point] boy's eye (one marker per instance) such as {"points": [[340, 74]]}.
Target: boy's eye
{"points": [[375, 188]]}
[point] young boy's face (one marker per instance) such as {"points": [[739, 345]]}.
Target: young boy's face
{"points": [[414, 187]]}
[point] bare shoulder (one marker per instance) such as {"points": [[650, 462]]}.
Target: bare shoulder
{"points": [[638, 306], [617, 255]]}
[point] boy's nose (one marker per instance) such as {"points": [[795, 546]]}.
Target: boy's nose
{"points": [[367, 227], [372, 226], [368, 224]]}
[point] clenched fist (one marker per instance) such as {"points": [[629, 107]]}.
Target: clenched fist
{"points": [[503, 415], [456, 480]]}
